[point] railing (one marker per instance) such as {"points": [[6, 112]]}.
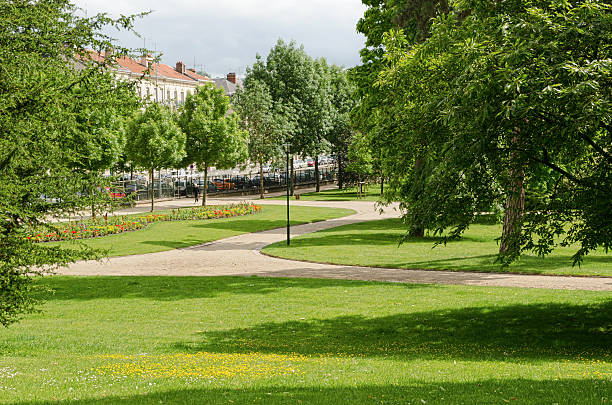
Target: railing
{"points": [[182, 186]]}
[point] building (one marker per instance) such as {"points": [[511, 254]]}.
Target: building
{"points": [[161, 83], [228, 84]]}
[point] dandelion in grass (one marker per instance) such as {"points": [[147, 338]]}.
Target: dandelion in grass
{"points": [[202, 365]]}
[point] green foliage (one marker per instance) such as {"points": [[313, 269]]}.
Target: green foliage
{"points": [[265, 121], [360, 157], [299, 87], [214, 136], [501, 98], [56, 109], [153, 140]]}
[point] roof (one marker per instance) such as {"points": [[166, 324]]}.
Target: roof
{"points": [[191, 73], [228, 87], [129, 65]]}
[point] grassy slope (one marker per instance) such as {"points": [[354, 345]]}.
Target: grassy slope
{"points": [[376, 244], [162, 236], [350, 194], [278, 341]]}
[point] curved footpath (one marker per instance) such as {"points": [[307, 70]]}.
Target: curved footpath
{"points": [[240, 256]]}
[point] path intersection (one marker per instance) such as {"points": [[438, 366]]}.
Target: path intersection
{"points": [[240, 256]]}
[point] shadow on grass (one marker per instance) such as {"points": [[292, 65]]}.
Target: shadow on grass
{"points": [[489, 391], [177, 288], [511, 333], [486, 263], [331, 237]]}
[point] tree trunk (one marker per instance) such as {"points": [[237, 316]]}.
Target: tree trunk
{"points": [[205, 191], [340, 173], [152, 188], [382, 185], [261, 181], [418, 229], [510, 245], [292, 176], [513, 215], [316, 167]]}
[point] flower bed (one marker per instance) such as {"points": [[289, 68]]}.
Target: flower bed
{"points": [[103, 226]]}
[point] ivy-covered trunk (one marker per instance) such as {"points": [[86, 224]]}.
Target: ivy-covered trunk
{"points": [[205, 191], [316, 168]]}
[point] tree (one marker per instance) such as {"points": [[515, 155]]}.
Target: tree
{"points": [[522, 96], [154, 141], [359, 159], [339, 135], [214, 137], [371, 117], [265, 122], [297, 88], [98, 137], [41, 95]]}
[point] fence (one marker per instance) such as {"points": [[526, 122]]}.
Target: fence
{"points": [[169, 186]]}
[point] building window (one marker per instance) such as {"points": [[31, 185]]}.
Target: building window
{"points": [[168, 95], [182, 96], [148, 93]]}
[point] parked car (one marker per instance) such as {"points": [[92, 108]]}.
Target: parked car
{"points": [[223, 184]]}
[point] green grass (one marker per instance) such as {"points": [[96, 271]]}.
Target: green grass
{"points": [[376, 244], [162, 236], [348, 194], [223, 340]]}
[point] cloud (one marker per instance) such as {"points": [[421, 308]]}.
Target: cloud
{"points": [[226, 36]]}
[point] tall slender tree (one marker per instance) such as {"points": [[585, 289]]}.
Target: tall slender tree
{"points": [[265, 122], [154, 141], [214, 136]]}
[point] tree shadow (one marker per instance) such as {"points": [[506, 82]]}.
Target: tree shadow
{"points": [[527, 264], [486, 391], [165, 288], [532, 332]]}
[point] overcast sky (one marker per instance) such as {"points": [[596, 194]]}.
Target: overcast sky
{"points": [[225, 36]]}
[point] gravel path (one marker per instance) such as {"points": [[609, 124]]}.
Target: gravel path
{"points": [[240, 256]]}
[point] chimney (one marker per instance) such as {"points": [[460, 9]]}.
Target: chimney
{"points": [[109, 53], [146, 61], [231, 77], [180, 67]]}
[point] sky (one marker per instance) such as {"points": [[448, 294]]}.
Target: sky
{"points": [[224, 36]]}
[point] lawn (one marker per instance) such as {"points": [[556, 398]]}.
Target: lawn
{"points": [[372, 193], [376, 244], [160, 236], [224, 340]]}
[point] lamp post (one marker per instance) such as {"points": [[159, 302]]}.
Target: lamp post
{"points": [[287, 148]]}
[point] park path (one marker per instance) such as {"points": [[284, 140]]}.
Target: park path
{"points": [[240, 256]]}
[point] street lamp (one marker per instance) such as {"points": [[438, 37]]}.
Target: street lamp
{"points": [[287, 146]]}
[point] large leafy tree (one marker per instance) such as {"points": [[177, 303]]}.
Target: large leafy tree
{"points": [[265, 122], [299, 86], [370, 117], [154, 141], [519, 100], [214, 136], [42, 95]]}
